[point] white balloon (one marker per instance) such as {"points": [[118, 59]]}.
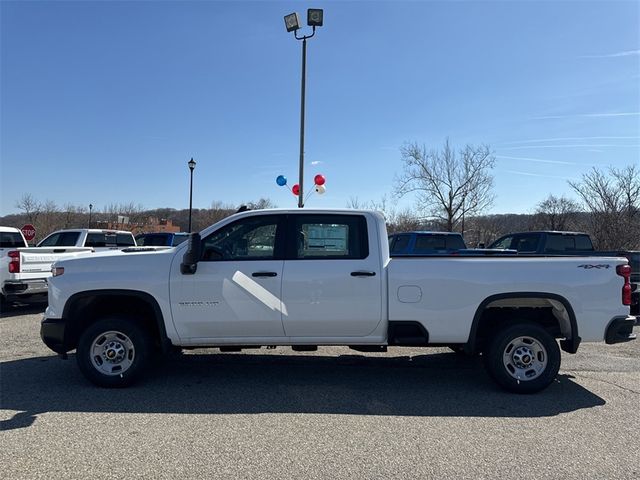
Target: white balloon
{"points": [[321, 189]]}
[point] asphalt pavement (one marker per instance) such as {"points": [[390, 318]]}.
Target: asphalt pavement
{"points": [[335, 413]]}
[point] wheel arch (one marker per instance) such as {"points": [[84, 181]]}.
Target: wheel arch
{"points": [[98, 303], [561, 308]]}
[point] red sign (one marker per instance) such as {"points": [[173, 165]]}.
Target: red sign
{"points": [[29, 232]]}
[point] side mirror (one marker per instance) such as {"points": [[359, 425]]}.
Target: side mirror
{"points": [[191, 257]]}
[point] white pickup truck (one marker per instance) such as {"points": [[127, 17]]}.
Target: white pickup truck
{"points": [[24, 270], [95, 238], [304, 278]]}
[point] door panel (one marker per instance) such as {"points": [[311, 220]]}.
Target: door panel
{"points": [[237, 288], [224, 299], [331, 284]]}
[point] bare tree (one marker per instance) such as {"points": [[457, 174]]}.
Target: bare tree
{"points": [[556, 213], [397, 221], [74, 216], [49, 219], [449, 185], [613, 199], [261, 204], [30, 206]]}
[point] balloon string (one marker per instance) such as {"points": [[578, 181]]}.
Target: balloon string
{"points": [[308, 195]]}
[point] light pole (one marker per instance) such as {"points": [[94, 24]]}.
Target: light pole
{"points": [[292, 22], [192, 165], [90, 208]]}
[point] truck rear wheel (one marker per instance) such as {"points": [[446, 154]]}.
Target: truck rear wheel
{"points": [[523, 358], [113, 352]]}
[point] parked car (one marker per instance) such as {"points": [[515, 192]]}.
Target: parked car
{"points": [[10, 283], [24, 270], [304, 277], [161, 239], [545, 242], [97, 239], [423, 243]]}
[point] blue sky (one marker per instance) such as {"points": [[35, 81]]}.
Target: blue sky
{"points": [[105, 102]]}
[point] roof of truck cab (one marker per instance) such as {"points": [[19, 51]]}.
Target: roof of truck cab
{"points": [[90, 230], [428, 232], [555, 232]]}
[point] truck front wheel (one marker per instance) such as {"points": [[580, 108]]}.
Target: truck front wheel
{"points": [[523, 358], [113, 352]]}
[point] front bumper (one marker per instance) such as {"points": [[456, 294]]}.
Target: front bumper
{"points": [[620, 329], [52, 332]]}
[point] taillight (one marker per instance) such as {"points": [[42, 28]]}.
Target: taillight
{"points": [[14, 261], [625, 272]]}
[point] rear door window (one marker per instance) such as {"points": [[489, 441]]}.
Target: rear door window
{"points": [[324, 236], [526, 243], [11, 240], [558, 243]]}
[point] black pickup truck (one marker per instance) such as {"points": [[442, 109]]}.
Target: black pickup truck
{"points": [[570, 243], [546, 242]]}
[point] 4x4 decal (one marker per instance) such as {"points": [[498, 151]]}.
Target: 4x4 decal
{"points": [[588, 266]]}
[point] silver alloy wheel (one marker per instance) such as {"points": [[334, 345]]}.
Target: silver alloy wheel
{"points": [[525, 358], [112, 353]]}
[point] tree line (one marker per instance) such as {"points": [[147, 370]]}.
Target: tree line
{"points": [[451, 188]]}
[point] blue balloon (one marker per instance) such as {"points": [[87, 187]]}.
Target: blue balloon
{"points": [[281, 180]]}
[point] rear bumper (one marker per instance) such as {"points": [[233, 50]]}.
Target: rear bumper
{"points": [[620, 329], [52, 332], [21, 288]]}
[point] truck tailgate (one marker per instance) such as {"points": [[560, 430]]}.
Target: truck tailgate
{"points": [[38, 260]]}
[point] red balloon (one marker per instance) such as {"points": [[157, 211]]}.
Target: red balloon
{"points": [[319, 179], [296, 189]]}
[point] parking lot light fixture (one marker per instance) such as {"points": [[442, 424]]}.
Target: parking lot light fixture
{"points": [[314, 17], [292, 22], [90, 208]]}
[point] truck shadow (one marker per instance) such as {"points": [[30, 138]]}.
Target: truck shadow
{"points": [[427, 385], [30, 306]]}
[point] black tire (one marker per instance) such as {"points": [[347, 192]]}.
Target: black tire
{"points": [[523, 357], [120, 338]]}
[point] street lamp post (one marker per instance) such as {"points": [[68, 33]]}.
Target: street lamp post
{"points": [[192, 165], [292, 22], [90, 208]]}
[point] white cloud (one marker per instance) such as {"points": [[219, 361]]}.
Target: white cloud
{"points": [[570, 146], [590, 115], [565, 139], [537, 160], [528, 174], [627, 53], [316, 162]]}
